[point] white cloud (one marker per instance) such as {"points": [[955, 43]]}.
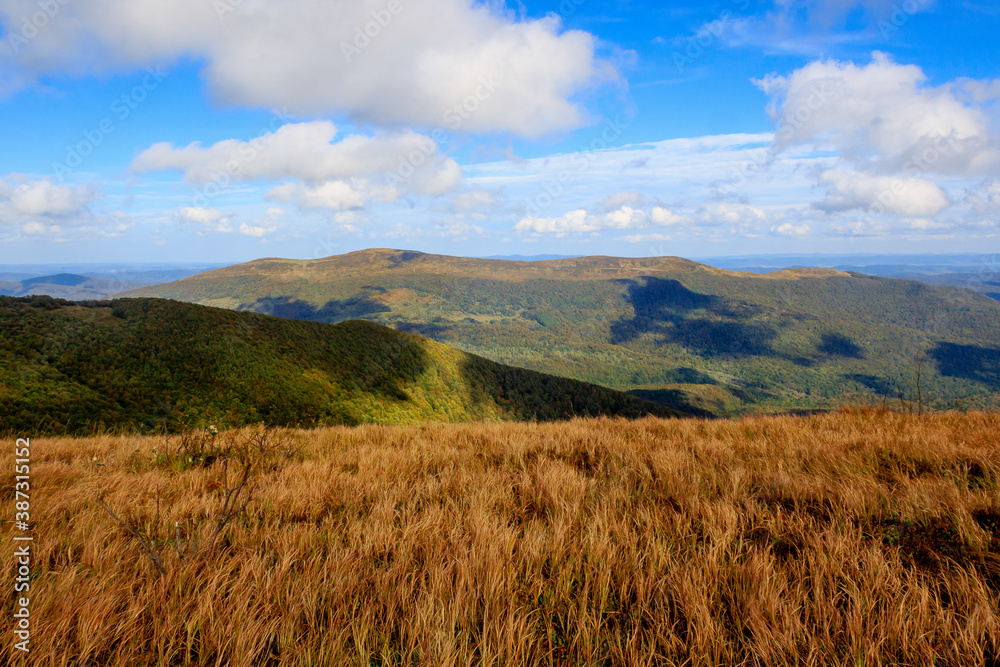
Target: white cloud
{"points": [[662, 217], [923, 224], [210, 219], [806, 27], [615, 201], [881, 117], [257, 231], [42, 202], [336, 174], [986, 198], [334, 195], [477, 204], [730, 213], [454, 63], [580, 221], [646, 238], [572, 222], [457, 230], [790, 229], [264, 225], [903, 196], [474, 200], [38, 208], [40, 229]]}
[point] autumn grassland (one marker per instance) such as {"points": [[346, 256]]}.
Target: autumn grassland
{"points": [[852, 538]]}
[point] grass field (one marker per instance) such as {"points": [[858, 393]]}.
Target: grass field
{"points": [[852, 538]]}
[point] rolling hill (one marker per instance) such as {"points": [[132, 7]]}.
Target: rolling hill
{"points": [[153, 364], [66, 286], [669, 329]]}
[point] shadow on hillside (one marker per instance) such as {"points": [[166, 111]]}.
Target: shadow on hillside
{"points": [[332, 312], [532, 396], [880, 386], [439, 331], [705, 323], [837, 345], [377, 359], [61, 279], [673, 398], [969, 362]]}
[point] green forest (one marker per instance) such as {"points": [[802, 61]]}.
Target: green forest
{"points": [[158, 365], [695, 337]]}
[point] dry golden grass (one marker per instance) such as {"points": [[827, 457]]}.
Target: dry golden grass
{"points": [[855, 538]]}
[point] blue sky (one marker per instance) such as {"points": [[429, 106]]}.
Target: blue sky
{"points": [[222, 131]]}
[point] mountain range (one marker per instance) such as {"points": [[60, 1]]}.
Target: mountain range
{"points": [[697, 338], [64, 286]]}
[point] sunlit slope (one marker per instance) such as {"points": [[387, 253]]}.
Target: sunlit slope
{"points": [[699, 337], [150, 363]]}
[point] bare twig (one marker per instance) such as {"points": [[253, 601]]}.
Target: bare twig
{"points": [[242, 458], [147, 546]]}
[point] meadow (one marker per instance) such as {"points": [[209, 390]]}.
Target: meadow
{"points": [[860, 537]]}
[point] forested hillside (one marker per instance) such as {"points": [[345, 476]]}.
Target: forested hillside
{"points": [[154, 364], [687, 334]]}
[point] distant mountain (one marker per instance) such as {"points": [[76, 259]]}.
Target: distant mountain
{"points": [[874, 263], [986, 283], [690, 335], [80, 282], [154, 364], [67, 286], [530, 258], [979, 273]]}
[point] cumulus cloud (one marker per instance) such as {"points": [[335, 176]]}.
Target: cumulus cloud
{"points": [[347, 195], [882, 117], [42, 201], [895, 138], [461, 64], [661, 217], [37, 207], [256, 231], [209, 219], [581, 221], [264, 225], [791, 229], [903, 196], [335, 174], [731, 213]]}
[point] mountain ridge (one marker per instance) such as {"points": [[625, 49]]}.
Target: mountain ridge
{"points": [[792, 339], [69, 367]]}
